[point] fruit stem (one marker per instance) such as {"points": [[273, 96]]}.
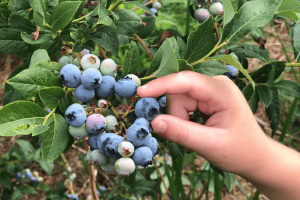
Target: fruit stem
{"points": [[67, 164], [144, 45], [81, 18], [217, 30], [91, 175], [46, 118], [102, 51], [161, 176], [112, 6], [113, 109]]}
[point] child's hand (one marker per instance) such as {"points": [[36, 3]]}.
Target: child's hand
{"points": [[231, 138]]}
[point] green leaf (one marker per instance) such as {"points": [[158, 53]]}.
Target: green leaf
{"points": [[55, 139], [228, 11], [65, 102], [143, 187], [108, 41], [265, 94], [184, 66], [63, 14], [51, 96], [258, 32], [253, 51], [229, 180], [296, 38], [287, 7], [39, 11], [38, 55], [211, 68], [157, 60], [182, 47], [16, 195], [262, 75], [289, 87], [19, 5], [273, 111], [42, 38], [200, 42], [103, 17], [251, 15], [11, 41], [26, 148], [131, 60], [46, 166], [129, 22], [22, 23], [251, 97], [146, 30], [232, 61], [142, 6], [54, 67], [20, 113], [30, 81], [29, 190]]}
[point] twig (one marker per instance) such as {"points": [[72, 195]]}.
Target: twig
{"points": [[113, 109], [217, 30], [79, 149], [161, 176], [102, 51], [144, 45]]}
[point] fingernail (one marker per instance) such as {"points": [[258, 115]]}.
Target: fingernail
{"points": [[144, 87], [161, 127]]}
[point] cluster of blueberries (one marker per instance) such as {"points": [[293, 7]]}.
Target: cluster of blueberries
{"points": [[112, 152], [26, 174], [154, 7], [203, 14]]}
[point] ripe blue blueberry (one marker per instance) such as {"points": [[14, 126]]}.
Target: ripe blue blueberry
{"points": [[84, 95], [102, 188], [108, 67], [98, 157], [143, 121], [91, 78], [34, 179], [18, 175], [154, 12], [95, 124], [138, 135], [28, 174], [106, 87], [148, 5], [125, 166], [93, 140], [201, 14], [78, 132], [70, 76], [162, 102], [153, 145], [108, 168], [135, 79], [142, 156], [74, 197], [125, 87], [75, 115], [111, 122], [216, 8], [109, 143], [90, 61], [232, 70], [64, 60], [147, 108]]}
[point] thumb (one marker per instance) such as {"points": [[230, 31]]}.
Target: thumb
{"points": [[196, 137]]}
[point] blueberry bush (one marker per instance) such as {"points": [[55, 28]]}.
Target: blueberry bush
{"points": [[82, 64]]}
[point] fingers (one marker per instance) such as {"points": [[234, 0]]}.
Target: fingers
{"points": [[211, 93]]}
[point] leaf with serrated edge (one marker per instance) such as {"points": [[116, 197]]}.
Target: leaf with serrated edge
{"points": [[19, 113], [251, 15], [232, 61], [51, 96], [129, 22], [55, 139]]}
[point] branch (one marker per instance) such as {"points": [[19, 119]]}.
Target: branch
{"points": [[217, 30], [144, 45], [161, 176], [102, 51]]}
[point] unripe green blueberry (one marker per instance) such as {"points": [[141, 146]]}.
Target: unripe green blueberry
{"points": [[216, 8], [111, 122], [98, 157], [126, 149], [108, 167], [76, 62], [65, 60], [112, 160], [135, 79], [156, 5], [90, 61], [108, 67], [125, 166], [102, 103], [88, 156], [78, 132]]}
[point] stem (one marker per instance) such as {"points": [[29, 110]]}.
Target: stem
{"points": [[187, 25], [102, 51], [144, 45], [147, 77], [81, 18], [67, 164], [161, 176], [92, 181], [46, 118], [217, 30], [292, 65], [113, 109], [211, 52], [112, 6]]}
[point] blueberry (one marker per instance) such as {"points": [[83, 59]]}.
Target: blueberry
{"points": [[154, 12], [75, 115], [74, 197], [28, 174], [108, 167], [95, 124], [153, 145], [106, 87], [84, 95], [143, 121], [108, 67], [125, 166], [142, 156], [228, 74], [162, 102], [138, 135], [98, 157], [93, 141], [90, 61], [34, 179], [91, 78], [64, 60], [157, 5], [102, 188], [102, 103], [135, 79], [69, 195], [89, 156], [78, 132], [111, 122], [126, 149], [199, 2], [216, 8], [18, 175], [232, 70], [147, 108], [76, 62], [202, 14], [125, 87], [70, 76], [112, 160], [109, 143], [148, 5], [84, 52]]}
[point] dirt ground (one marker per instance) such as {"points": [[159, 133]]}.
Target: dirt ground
{"points": [[81, 183]]}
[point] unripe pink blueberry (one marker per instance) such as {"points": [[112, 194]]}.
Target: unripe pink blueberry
{"points": [[108, 67], [90, 61], [108, 167], [202, 14], [95, 124], [84, 52], [125, 166], [126, 149], [98, 157], [216, 8], [102, 103]]}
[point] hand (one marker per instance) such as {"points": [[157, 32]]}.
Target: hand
{"points": [[230, 139]]}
